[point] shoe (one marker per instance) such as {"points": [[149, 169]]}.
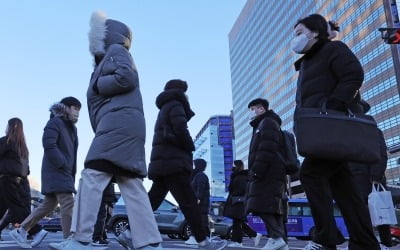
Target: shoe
{"points": [[38, 237], [60, 245], [313, 246], [21, 241], [274, 244], [285, 247], [212, 244], [125, 239], [191, 241], [76, 245], [383, 247], [257, 239], [235, 244], [100, 242], [156, 246]]}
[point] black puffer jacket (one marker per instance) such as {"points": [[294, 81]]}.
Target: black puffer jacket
{"points": [[10, 161], [201, 187], [237, 187], [329, 72], [267, 173], [172, 144]]}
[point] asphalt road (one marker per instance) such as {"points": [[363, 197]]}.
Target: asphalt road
{"points": [[168, 244]]}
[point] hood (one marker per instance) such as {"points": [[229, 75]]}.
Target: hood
{"points": [[174, 95], [269, 113], [59, 110], [240, 172], [106, 32]]}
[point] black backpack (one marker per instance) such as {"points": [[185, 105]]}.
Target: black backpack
{"points": [[289, 153]]}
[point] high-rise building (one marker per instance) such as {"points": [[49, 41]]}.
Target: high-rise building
{"points": [[214, 143], [262, 61]]}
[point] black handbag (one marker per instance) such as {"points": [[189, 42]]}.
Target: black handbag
{"points": [[334, 135], [237, 199]]}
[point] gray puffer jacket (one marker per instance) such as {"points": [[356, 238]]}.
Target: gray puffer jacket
{"points": [[114, 99]]}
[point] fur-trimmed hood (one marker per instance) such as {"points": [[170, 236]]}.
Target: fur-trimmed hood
{"points": [[105, 32], [59, 110]]}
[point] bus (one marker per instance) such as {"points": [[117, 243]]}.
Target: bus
{"points": [[300, 222]]}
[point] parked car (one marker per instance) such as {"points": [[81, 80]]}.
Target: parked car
{"points": [[51, 224], [169, 218]]}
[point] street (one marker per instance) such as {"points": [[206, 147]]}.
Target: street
{"points": [[168, 244]]}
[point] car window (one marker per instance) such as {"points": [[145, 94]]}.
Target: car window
{"points": [[165, 206]]}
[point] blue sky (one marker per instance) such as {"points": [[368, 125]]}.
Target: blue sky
{"points": [[45, 57]]}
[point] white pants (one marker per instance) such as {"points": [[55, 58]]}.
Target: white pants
{"points": [[87, 203]]}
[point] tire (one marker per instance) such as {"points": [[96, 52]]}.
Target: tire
{"points": [[119, 226], [186, 232]]}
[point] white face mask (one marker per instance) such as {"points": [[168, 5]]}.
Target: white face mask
{"points": [[74, 115], [299, 43], [252, 114]]}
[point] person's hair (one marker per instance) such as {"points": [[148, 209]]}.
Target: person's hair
{"points": [[238, 164], [15, 135], [316, 23], [259, 101], [71, 101], [176, 84]]}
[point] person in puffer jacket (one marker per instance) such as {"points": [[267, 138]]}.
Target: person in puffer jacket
{"points": [[117, 151]]}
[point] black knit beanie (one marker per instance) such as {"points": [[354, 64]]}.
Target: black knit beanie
{"points": [[176, 84]]}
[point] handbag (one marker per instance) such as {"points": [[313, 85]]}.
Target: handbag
{"points": [[237, 199], [381, 208], [335, 135]]}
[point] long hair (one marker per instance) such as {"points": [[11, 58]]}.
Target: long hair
{"points": [[15, 135]]}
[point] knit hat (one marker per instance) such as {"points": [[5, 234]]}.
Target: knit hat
{"points": [[176, 84], [200, 164]]}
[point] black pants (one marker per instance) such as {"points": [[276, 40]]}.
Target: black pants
{"points": [[181, 189], [362, 179], [323, 180], [99, 231], [238, 228], [274, 225], [10, 199]]}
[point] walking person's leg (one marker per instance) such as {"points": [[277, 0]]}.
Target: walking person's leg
{"points": [[66, 201], [157, 193], [248, 230], [143, 226], [237, 234], [48, 205], [100, 222], [354, 210]]}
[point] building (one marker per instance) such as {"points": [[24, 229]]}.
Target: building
{"points": [[262, 61], [214, 143]]}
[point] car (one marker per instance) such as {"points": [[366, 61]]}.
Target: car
{"points": [[51, 224], [169, 218]]}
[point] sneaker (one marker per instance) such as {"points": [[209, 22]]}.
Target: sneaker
{"points": [[125, 239], [191, 241], [313, 246], [257, 239], [21, 240], [156, 246], [235, 244], [59, 245], [76, 245], [383, 247], [274, 244], [100, 242], [38, 237], [213, 244], [285, 247]]}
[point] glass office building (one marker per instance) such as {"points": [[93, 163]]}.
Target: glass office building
{"points": [[214, 143], [262, 62]]}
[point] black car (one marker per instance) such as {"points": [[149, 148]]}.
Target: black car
{"points": [[51, 225], [169, 218]]}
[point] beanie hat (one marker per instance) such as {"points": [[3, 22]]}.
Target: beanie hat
{"points": [[71, 101], [200, 164], [176, 84]]}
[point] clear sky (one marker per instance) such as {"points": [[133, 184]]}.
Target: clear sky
{"points": [[45, 57]]}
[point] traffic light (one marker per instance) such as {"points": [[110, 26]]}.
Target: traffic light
{"points": [[390, 35]]}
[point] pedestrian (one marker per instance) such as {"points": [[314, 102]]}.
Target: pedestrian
{"points": [[267, 173], [171, 160], [373, 174], [60, 144], [237, 188], [99, 233], [117, 151], [330, 73], [201, 188]]}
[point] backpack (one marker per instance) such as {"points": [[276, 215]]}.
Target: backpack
{"points": [[289, 153]]}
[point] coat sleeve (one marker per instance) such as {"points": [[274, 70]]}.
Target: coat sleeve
{"points": [[178, 120], [348, 71], [50, 146], [119, 74], [267, 148]]}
